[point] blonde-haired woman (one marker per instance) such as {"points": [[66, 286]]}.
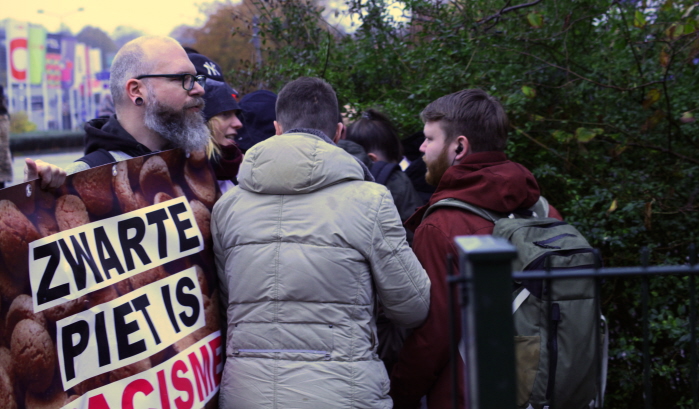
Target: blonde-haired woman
{"points": [[221, 114]]}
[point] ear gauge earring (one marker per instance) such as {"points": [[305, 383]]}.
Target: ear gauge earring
{"points": [[138, 101]]}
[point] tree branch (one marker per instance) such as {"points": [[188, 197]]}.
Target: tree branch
{"points": [[497, 19], [578, 75], [564, 31], [566, 161], [667, 102], [457, 5], [508, 9], [664, 150], [327, 56], [556, 86]]}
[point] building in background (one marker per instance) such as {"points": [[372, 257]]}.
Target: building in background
{"points": [[57, 81]]}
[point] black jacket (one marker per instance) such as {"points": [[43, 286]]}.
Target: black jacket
{"points": [[404, 195]]}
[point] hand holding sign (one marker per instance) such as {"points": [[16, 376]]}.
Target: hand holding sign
{"points": [[51, 176], [107, 287]]}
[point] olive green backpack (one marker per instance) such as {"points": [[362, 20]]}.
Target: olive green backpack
{"points": [[559, 363]]}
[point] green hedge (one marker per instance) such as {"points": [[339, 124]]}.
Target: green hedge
{"points": [[601, 96]]}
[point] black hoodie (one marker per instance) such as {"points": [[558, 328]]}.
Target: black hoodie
{"points": [[106, 134]]}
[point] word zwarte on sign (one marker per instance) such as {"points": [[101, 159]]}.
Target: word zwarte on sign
{"points": [[75, 262]]}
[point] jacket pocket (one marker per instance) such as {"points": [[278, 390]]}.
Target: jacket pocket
{"points": [[527, 351], [293, 341]]}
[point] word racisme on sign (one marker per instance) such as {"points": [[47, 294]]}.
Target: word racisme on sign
{"points": [[190, 378]]}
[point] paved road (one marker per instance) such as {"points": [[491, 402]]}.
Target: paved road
{"points": [[61, 159]]}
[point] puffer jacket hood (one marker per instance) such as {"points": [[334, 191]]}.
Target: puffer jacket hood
{"points": [[108, 134], [300, 163], [305, 247]]}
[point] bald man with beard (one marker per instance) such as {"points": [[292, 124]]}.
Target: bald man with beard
{"points": [[157, 99]]}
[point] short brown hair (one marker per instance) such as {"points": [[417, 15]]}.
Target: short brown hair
{"points": [[308, 102], [471, 113]]}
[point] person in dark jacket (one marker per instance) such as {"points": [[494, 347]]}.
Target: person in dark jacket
{"points": [[376, 134], [157, 97], [416, 166], [465, 138], [258, 116]]}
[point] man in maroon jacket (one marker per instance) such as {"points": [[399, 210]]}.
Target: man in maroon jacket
{"points": [[465, 138]]}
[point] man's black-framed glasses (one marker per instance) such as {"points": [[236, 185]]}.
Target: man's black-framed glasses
{"points": [[188, 80]]}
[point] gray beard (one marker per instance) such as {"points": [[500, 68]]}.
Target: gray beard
{"points": [[185, 129]]}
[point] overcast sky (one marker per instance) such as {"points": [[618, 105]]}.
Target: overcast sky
{"points": [[157, 17]]}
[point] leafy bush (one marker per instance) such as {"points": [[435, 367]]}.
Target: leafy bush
{"points": [[20, 123], [601, 97]]}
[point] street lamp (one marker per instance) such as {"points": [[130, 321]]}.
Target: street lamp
{"points": [[60, 16]]}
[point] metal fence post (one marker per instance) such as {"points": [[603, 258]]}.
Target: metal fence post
{"points": [[486, 271]]}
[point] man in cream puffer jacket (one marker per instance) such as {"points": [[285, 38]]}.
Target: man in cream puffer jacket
{"points": [[305, 246]]}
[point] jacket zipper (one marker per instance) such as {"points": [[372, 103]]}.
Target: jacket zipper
{"points": [[271, 351]]}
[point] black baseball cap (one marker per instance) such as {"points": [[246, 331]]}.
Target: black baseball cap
{"points": [[219, 96], [205, 66]]}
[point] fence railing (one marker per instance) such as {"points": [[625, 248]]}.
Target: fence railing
{"points": [[485, 281]]}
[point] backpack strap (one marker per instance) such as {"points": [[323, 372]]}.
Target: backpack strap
{"points": [[519, 299], [605, 363], [451, 202], [97, 158], [540, 209], [382, 170]]}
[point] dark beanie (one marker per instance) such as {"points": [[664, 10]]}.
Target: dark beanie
{"points": [[219, 97], [258, 115]]}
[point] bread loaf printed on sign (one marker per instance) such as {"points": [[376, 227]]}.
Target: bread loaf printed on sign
{"points": [[33, 355], [16, 232], [95, 189], [123, 189], [29, 365]]}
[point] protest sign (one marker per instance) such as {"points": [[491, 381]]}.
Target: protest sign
{"points": [[108, 288]]}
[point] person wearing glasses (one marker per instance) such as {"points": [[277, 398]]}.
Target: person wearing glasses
{"points": [[157, 97]]}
